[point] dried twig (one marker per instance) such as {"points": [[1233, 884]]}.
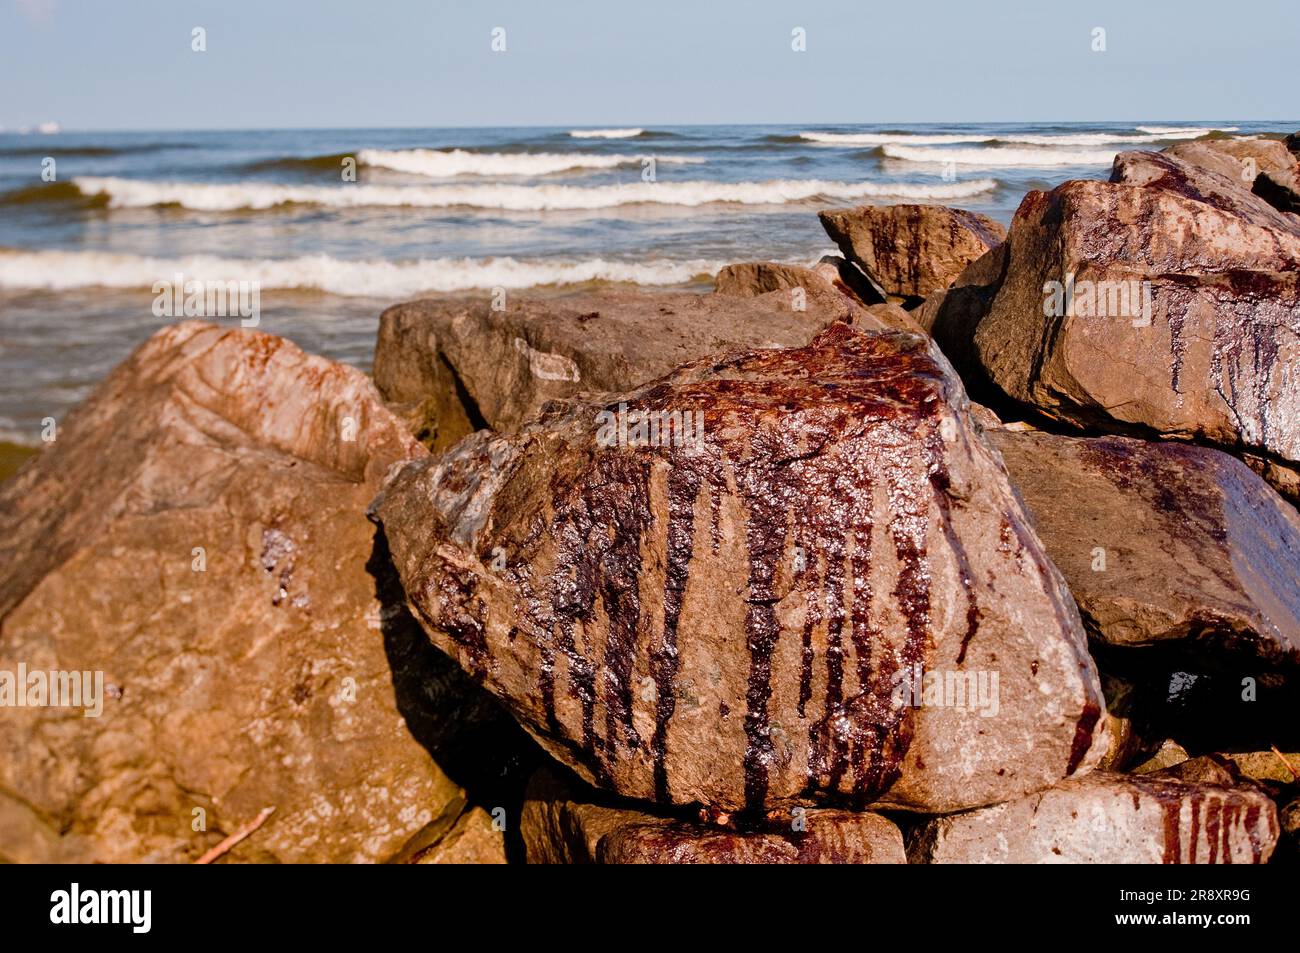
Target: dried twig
{"points": [[1281, 757], [236, 837]]}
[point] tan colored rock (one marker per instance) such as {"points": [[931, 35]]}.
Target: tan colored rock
{"points": [[1105, 818], [1164, 541], [1185, 316], [464, 366], [830, 274], [565, 825], [735, 619], [911, 250], [1282, 768], [1240, 160], [197, 536], [1280, 188], [1168, 755], [472, 838]]}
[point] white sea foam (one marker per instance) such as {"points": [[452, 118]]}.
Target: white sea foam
{"points": [[606, 133], [1001, 158], [436, 163], [135, 193], [1145, 134], [1184, 132], [62, 270]]}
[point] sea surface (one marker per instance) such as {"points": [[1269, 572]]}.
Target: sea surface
{"points": [[89, 222]]}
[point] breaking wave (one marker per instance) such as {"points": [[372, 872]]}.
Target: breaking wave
{"points": [[134, 193], [1001, 158], [630, 133]]}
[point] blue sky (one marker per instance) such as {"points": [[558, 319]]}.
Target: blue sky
{"points": [[127, 64]]}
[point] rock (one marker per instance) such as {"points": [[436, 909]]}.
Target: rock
{"points": [[1164, 541], [1240, 160], [1185, 317], [735, 620], [267, 679], [471, 839], [951, 315], [831, 274], [1170, 754], [911, 250], [565, 825], [464, 366], [1130, 740], [1266, 765], [1105, 818], [889, 316], [1206, 769], [1292, 142], [1280, 189]]}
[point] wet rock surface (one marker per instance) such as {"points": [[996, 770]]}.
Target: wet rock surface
{"points": [[196, 534], [1164, 541], [736, 622], [911, 250], [1105, 818], [564, 823], [469, 366], [1182, 317]]}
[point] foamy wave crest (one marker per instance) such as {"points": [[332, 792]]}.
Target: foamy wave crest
{"points": [[132, 193], [1001, 158], [62, 270], [606, 133], [457, 162], [1184, 132], [884, 138]]}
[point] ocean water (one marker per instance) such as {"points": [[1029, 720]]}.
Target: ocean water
{"points": [[452, 212]]}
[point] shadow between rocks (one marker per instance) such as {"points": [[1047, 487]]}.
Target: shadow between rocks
{"points": [[464, 729]]}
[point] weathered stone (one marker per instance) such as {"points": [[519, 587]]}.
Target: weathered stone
{"points": [[472, 838], [563, 824], [1169, 754], [1105, 818], [911, 250], [734, 619], [1184, 318], [469, 366], [1161, 541], [1129, 740], [1239, 160], [197, 534], [1281, 768]]}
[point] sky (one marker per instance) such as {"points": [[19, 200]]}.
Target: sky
{"points": [[128, 64]]}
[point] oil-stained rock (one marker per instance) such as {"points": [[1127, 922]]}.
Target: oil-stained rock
{"points": [[911, 250], [1170, 306], [1106, 818], [563, 824], [455, 366], [197, 536], [734, 619], [1165, 541]]}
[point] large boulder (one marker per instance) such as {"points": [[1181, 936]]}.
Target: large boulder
{"points": [[826, 590], [195, 541], [1164, 541], [1105, 818], [456, 366], [1239, 160], [563, 824], [1171, 306], [754, 278], [911, 250]]}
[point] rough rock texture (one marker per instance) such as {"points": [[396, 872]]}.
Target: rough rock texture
{"points": [[280, 675], [565, 825], [462, 366], [1240, 160], [471, 838], [1213, 358], [1164, 541], [1105, 818], [735, 621], [832, 273], [911, 250]]}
